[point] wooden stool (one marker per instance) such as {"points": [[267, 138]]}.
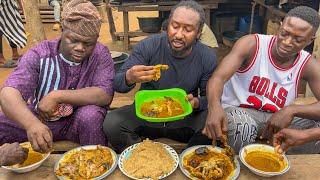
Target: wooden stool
{"points": [[63, 146], [118, 102]]}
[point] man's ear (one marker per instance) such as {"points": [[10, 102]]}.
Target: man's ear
{"points": [[312, 39], [199, 33]]}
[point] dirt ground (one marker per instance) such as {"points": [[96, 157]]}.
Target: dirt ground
{"points": [[104, 38]]}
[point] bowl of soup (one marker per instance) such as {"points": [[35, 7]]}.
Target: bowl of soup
{"points": [[162, 105], [262, 160], [33, 161]]}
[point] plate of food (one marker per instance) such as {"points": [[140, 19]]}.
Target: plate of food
{"points": [[86, 162], [264, 160], [33, 161], [148, 160], [208, 162], [162, 105]]}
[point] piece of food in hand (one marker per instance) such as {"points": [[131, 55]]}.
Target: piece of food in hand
{"points": [[279, 151], [158, 69]]}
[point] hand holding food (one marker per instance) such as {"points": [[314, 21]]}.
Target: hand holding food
{"points": [[287, 138], [216, 123], [11, 154], [40, 137], [139, 74], [194, 101]]}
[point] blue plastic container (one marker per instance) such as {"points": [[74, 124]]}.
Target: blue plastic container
{"points": [[244, 24]]}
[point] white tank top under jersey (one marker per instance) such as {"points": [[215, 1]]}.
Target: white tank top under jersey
{"points": [[263, 85]]}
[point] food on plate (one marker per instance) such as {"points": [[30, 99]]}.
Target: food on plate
{"points": [[227, 150], [158, 69], [85, 163], [264, 160], [207, 163], [33, 156], [149, 160], [162, 108]]}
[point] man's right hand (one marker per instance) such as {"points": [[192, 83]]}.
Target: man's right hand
{"points": [[140, 74], [40, 137], [12, 154], [216, 123]]}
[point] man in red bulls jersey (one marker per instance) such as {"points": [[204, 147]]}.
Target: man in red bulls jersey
{"points": [[252, 91]]}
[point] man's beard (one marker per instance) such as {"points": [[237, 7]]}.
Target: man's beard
{"points": [[181, 53]]}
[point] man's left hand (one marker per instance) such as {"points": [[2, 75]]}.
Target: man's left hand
{"points": [[287, 138], [277, 121], [193, 100], [48, 106]]}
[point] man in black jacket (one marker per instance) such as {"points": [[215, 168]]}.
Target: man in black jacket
{"points": [[190, 62]]}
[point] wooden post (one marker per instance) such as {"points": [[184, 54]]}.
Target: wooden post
{"points": [[112, 28], [126, 30], [102, 11], [33, 21]]}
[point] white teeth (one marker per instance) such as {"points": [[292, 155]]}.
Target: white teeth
{"points": [[177, 43]]}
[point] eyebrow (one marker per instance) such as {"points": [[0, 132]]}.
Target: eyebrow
{"points": [[173, 21], [291, 33]]}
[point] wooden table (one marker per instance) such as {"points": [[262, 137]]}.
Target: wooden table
{"points": [[157, 6], [302, 167]]}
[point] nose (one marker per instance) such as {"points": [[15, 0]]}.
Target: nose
{"points": [[79, 47], [288, 41], [179, 34]]}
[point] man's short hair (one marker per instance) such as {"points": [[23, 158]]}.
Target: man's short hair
{"points": [[307, 14], [193, 6], [164, 25]]}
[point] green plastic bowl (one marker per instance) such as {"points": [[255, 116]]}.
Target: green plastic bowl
{"points": [[149, 95]]}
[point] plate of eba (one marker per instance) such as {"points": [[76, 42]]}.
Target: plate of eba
{"points": [[33, 161], [148, 160], [208, 162], [262, 160], [162, 105], [86, 162]]}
